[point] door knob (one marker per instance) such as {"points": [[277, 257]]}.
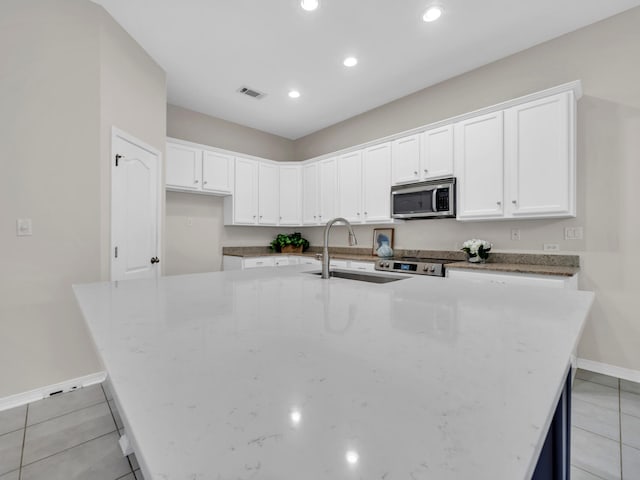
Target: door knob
{"points": [[155, 260]]}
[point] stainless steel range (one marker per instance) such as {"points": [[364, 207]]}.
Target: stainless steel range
{"points": [[415, 265]]}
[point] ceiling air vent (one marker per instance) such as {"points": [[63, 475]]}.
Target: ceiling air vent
{"points": [[251, 92]]}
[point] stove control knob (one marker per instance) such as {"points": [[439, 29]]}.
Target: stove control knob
{"points": [[381, 263], [426, 268], [386, 264], [433, 268]]}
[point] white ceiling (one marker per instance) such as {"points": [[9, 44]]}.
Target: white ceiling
{"points": [[210, 48]]}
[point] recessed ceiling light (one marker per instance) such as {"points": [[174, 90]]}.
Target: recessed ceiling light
{"points": [[309, 5], [432, 14], [294, 94], [350, 61]]}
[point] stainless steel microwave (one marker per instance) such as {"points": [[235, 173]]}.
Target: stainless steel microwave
{"points": [[432, 199]]}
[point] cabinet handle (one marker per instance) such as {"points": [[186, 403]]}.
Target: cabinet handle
{"points": [[366, 213], [358, 214], [498, 203], [254, 216], [195, 181], [280, 218], [415, 172], [426, 171], [260, 216], [204, 183], [514, 201]]}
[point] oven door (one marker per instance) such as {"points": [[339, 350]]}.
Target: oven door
{"points": [[426, 200]]}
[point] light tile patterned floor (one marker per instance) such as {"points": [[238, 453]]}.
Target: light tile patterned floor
{"points": [[605, 428], [74, 436]]}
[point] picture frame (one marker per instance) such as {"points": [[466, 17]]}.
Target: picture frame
{"points": [[379, 235]]}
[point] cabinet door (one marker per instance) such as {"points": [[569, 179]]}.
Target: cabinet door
{"points": [[245, 198], [376, 183], [540, 157], [267, 194], [328, 189], [350, 186], [405, 159], [290, 195], [437, 152], [217, 172], [183, 167], [310, 194], [479, 160]]}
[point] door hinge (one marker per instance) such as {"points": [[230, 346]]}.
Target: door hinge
{"points": [[116, 252], [118, 157]]}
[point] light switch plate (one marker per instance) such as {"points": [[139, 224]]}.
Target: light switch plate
{"points": [[23, 227]]}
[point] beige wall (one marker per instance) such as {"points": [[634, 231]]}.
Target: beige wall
{"points": [[199, 128], [53, 121], [605, 57]]}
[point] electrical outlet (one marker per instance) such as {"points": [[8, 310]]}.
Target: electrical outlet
{"points": [[23, 227], [578, 233], [515, 234], [551, 247], [569, 233]]}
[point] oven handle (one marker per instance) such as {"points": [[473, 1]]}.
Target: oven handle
{"points": [[434, 207]]}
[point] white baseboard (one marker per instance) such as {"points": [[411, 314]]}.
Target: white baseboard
{"points": [[40, 393], [611, 370]]}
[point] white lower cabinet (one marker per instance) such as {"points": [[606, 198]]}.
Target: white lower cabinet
{"points": [[230, 262], [524, 279]]}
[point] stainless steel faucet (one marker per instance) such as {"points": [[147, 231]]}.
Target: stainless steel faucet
{"points": [[325, 249]]}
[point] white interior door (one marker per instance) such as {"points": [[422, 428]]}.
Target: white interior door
{"points": [[134, 208]]}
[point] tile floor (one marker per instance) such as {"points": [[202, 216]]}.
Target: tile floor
{"points": [[605, 428], [74, 436]]}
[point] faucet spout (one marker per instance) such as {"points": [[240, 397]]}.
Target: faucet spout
{"points": [[325, 249]]}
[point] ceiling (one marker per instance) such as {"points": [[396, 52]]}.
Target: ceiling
{"points": [[210, 48]]}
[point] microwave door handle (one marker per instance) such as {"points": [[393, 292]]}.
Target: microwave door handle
{"points": [[434, 207]]}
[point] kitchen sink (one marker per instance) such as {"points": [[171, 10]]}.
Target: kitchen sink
{"points": [[362, 277]]}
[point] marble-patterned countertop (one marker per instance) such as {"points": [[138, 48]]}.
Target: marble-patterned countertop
{"points": [[528, 263], [274, 373]]}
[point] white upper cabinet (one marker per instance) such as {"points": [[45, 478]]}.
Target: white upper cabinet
{"points": [[376, 183], [217, 172], [437, 153], [350, 186], [540, 157], [423, 156], [245, 197], [479, 160], [197, 170], [183, 167], [310, 194], [328, 189], [522, 168], [364, 185], [267, 194], [405, 155], [290, 179]]}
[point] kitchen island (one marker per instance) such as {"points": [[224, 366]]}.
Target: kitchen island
{"points": [[277, 374]]}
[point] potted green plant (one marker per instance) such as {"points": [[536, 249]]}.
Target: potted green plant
{"points": [[293, 243]]}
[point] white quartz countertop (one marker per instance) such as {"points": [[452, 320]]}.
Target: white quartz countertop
{"points": [[275, 374]]}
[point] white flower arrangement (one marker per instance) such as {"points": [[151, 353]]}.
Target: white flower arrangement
{"points": [[477, 249]]}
